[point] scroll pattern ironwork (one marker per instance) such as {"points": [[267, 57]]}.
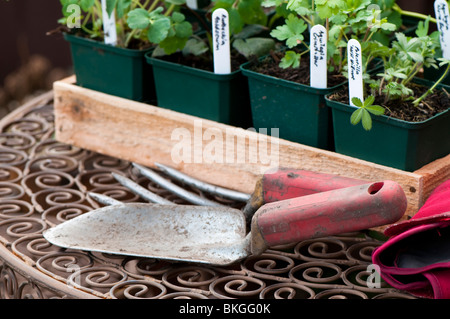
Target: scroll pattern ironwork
{"points": [[44, 183]]}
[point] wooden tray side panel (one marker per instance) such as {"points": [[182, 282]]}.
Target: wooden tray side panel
{"points": [[216, 153]]}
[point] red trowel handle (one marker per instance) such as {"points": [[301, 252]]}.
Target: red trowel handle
{"points": [[285, 183], [327, 213]]}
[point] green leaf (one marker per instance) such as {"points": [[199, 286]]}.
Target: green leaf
{"points": [[395, 18], [251, 12], [366, 120], [158, 51], [250, 30], [177, 2], [290, 59], [356, 116], [388, 26], [417, 57], [86, 4], [235, 20], [291, 31], [138, 19], [369, 100], [195, 46], [158, 30], [328, 8], [357, 102], [422, 27], [253, 46], [173, 44], [358, 5], [301, 7], [295, 24], [171, 33], [364, 16], [123, 7], [236, 23], [177, 17], [110, 6], [183, 29], [272, 3], [443, 61], [155, 14], [401, 39], [375, 109], [66, 4], [339, 19]]}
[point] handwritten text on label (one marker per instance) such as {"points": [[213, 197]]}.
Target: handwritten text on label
{"points": [[318, 56], [355, 70], [221, 33], [443, 24]]}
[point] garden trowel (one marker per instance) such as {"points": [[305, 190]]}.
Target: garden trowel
{"points": [[218, 235]]}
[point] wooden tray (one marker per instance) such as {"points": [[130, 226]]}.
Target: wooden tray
{"points": [[145, 134]]}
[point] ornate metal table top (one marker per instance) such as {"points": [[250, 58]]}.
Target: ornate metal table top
{"points": [[44, 182]]}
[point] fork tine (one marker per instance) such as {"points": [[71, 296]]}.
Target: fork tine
{"points": [[141, 191], [182, 193], [206, 187], [103, 199]]}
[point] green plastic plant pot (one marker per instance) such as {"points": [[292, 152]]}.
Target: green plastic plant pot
{"points": [[112, 70], [391, 142], [299, 111], [219, 97]]}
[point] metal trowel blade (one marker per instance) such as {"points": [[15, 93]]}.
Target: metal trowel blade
{"points": [[212, 235]]}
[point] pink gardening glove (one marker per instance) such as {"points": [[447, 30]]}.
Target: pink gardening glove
{"points": [[417, 256]]}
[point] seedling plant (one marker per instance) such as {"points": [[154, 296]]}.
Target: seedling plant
{"points": [[343, 19], [402, 61], [148, 22], [247, 20]]}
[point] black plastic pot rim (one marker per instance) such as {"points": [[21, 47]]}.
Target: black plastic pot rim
{"points": [[155, 61], [94, 43]]}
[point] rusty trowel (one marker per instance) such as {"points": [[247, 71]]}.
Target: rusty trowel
{"points": [[217, 235]]}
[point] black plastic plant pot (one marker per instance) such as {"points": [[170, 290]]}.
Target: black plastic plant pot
{"points": [[391, 142], [117, 71], [219, 97], [299, 111]]}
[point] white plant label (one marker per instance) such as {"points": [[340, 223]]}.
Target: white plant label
{"points": [[443, 23], [318, 57], [109, 25], [355, 71], [192, 4], [221, 42]]}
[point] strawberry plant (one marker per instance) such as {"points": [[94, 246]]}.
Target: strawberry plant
{"points": [[145, 22], [247, 20], [242, 13], [168, 28], [84, 14]]}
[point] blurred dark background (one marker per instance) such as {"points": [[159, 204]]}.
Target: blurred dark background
{"points": [[422, 6], [30, 60]]}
